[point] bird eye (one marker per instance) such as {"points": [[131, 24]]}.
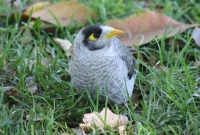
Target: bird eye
{"points": [[94, 36]]}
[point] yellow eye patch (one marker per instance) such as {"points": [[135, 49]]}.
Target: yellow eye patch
{"points": [[91, 37]]}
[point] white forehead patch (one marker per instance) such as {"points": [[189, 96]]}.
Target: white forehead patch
{"points": [[106, 29]]}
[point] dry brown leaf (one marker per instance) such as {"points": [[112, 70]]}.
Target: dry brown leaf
{"points": [[36, 7], [65, 44], [122, 130], [158, 67], [196, 36], [143, 27], [101, 120], [65, 12], [109, 118], [135, 97], [10, 91]]}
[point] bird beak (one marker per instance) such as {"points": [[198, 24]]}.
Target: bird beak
{"points": [[114, 32]]}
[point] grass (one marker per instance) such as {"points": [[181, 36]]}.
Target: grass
{"points": [[167, 78]]}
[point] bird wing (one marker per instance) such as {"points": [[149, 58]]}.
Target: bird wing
{"points": [[130, 64], [126, 54], [131, 50]]}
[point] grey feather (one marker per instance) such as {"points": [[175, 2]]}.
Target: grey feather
{"points": [[110, 69], [127, 57], [130, 63]]}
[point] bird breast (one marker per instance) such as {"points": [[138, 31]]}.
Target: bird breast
{"points": [[87, 71]]}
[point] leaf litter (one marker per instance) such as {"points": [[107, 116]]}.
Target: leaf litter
{"points": [[106, 118]]}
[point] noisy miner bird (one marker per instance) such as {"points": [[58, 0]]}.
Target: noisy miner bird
{"points": [[102, 64]]}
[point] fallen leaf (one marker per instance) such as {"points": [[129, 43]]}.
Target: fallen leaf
{"points": [[196, 95], [78, 131], [65, 134], [109, 118], [31, 84], [29, 80], [33, 62], [158, 67], [69, 11], [36, 7], [196, 36], [122, 130], [136, 96], [6, 88], [10, 91], [142, 27], [65, 44], [102, 120], [34, 118], [197, 63]]}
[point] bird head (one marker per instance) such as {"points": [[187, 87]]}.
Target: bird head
{"points": [[95, 37]]}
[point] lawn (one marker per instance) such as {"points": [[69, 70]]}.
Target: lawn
{"points": [[168, 80]]}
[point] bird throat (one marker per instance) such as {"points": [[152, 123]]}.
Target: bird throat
{"points": [[93, 47]]}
